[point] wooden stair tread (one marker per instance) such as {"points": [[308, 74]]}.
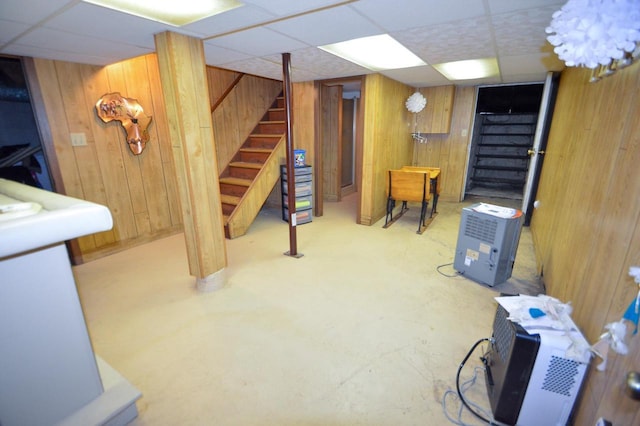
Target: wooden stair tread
{"points": [[272, 122], [261, 150], [229, 199], [236, 181], [266, 135], [245, 165]]}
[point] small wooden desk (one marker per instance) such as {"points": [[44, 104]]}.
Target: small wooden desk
{"points": [[434, 178], [407, 186]]}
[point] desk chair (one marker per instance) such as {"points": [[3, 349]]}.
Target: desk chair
{"points": [[434, 177], [407, 186]]}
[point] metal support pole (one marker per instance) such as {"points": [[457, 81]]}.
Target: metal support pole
{"points": [[291, 184]]}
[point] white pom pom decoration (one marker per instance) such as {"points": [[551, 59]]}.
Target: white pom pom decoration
{"points": [[416, 102], [593, 32]]}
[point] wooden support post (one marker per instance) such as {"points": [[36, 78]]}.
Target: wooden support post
{"points": [[291, 188], [184, 86]]}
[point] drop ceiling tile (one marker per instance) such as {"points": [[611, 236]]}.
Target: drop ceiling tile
{"points": [[257, 42], [107, 24], [405, 14], [29, 11], [257, 66], [10, 30], [288, 7], [239, 18], [423, 76], [256, 34], [80, 45], [522, 32], [218, 56], [502, 6], [47, 53], [327, 26], [325, 64], [440, 43]]}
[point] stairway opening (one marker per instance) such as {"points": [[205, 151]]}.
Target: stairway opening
{"points": [[22, 158], [506, 119]]}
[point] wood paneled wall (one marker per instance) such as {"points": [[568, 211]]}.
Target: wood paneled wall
{"points": [[387, 142], [240, 111], [304, 131], [436, 115], [140, 191], [218, 81], [331, 123], [587, 229], [303, 104], [449, 151]]}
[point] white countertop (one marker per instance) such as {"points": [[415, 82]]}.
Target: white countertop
{"points": [[31, 218]]}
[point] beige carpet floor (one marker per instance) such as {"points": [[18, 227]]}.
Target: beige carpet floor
{"points": [[367, 328]]}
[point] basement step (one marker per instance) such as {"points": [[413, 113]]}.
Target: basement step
{"points": [[264, 140], [236, 181], [270, 128], [245, 165], [254, 155], [276, 113], [503, 168], [229, 199], [498, 180]]}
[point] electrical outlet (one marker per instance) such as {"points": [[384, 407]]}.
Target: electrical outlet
{"points": [[464, 133], [78, 139]]}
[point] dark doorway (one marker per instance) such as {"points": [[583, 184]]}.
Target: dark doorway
{"points": [[505, 127], [21, 156], [339, 140]]}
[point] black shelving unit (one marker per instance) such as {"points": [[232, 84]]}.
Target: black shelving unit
{"points": [[303, 181]]}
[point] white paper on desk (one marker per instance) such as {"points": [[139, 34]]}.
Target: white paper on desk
{"points": [[498, 211]]}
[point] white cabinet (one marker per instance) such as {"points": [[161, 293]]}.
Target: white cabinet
{"points": [[49, 373]]}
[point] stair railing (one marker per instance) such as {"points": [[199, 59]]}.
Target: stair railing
{"points": [[228, 90]]}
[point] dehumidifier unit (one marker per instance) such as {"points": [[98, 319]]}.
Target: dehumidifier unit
{"points": [[487, 242], [529, 379]]}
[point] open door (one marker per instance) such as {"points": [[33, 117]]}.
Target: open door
{"points": [[537, 151], [331, 142], [339, 141]]}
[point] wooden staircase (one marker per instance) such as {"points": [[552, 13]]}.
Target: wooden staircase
{"points": [[253, 171]]}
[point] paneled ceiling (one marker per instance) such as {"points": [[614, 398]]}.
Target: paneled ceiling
{"points": [[252, 38]]}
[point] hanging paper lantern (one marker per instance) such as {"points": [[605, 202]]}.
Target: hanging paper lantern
{"points": [[593, 32], [416, 102]]}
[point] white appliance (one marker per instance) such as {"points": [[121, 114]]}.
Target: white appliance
{"points": [[530, 378], [487, 242]]}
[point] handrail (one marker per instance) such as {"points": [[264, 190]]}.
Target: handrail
{"points": [[19, 155], [227, 91]]}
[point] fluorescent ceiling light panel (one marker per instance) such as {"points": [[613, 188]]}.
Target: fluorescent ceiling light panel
{"points": [[376, 53], [172, 12], [469, 70]]}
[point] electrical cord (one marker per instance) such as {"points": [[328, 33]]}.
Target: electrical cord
{"points": [[442, 273], [474, 409], [464, 387], [464, 361]]}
